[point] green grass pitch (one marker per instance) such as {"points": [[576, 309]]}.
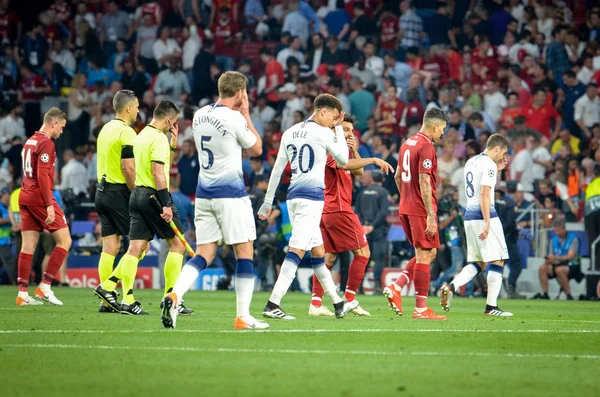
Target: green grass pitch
{"points": [[550, 348]]}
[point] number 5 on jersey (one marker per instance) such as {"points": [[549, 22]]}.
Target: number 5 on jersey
{"points": [[209, 153]]}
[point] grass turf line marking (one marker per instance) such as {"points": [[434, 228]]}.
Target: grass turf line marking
{"points": [[297, 331], [294, 351]]}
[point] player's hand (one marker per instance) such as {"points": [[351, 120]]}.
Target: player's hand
{"points": [[51, 215], [384, 166], [340, 119], [264, 212], [351, 142], [174, 135], [503, 163], [167, 214], [245, 106], [486, 230], [432, 227], [16, 227], [368, 229]]}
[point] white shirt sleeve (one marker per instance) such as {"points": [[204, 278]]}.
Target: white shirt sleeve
{"points": [[242, 133], [489, 175], [336, 145], [563, 191], [278, 168], [579, 109]]}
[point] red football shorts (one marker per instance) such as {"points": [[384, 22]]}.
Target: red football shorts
{"points": [[33, 218], [414, 227], [342, 232]]}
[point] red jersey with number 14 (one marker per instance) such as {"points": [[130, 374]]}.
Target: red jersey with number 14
{"points": [[39, 159], [338, 188], [417, 156]]}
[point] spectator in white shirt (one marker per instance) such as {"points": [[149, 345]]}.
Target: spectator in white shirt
{"points": [[587, 70], [191, 47], [522, 164], [374, 63], [263, 111], [74, 175], [165, 48], [172, 82], [587, 110], [542, 159], [12, 125], [63, 57], [494, 102], [292, 51], [293, 104]]}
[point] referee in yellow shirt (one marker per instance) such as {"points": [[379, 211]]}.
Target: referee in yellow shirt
{"points": [[116, 180], [153, 156]]}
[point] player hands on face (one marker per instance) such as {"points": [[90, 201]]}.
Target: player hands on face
{"points": [[172, 127]]}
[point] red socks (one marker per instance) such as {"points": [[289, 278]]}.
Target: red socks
{"points": [[24, 271], [356, 273], [56, 260], [317, 291], [421, 280], [406, 274]]}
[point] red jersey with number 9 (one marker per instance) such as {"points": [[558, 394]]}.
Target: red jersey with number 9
{"points": [[39, 160], [417, 156]]}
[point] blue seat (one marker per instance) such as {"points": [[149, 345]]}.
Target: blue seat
{"points": [[396, 233], [584, 243], [79, 228]]}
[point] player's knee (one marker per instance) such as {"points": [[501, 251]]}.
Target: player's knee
{"points": [[543, 269], [64, 241], [176, 246]]}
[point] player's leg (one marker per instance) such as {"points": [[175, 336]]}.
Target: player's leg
{"points": [[494, 252], [393, 292], [422, 278], [174, 260], [299, 243], [62, 237], [474, 266], [494, 281], [316, 304], [356, 274], [30, 240]]}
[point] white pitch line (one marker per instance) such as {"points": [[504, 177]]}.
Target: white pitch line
{"points": [[299, 331], [303, 351]]}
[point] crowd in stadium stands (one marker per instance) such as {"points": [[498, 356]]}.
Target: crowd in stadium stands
{"points": [[527, 69]]}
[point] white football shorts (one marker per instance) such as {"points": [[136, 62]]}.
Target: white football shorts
{"points": [[493, 248], [228, 220], [305, 216]]}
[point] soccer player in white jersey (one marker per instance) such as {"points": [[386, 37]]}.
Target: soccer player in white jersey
{"points": [[305, 146], [223, 211], [485, 237]]}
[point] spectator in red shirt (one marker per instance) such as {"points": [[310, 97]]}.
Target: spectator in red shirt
{"points": [[484, 63], [455, 65], [232, 9], [512, 110], [275, 75], [8, 22], [388, 112], [413, 59], [389, 25], [540, 114], [32, 85], [227, 35]]}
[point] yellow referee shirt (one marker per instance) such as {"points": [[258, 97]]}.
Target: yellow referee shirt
{"points": [[14, 205], [151, 146], [113, 138]]}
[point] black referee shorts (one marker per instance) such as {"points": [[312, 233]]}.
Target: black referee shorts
{"points": [[112, 206], [145, 219]]}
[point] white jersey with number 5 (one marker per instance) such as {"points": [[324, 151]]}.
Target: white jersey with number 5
{"points": [[482, 171], [223, 211], [305, 147]]}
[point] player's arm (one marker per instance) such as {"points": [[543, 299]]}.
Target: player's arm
{"points": [[249, 139], [127, 160], [336, 145], [488, 181], [356, 166], [273, 216], [159, 156], [276, 172], [427, 196], [398, 178], [45, 169]]}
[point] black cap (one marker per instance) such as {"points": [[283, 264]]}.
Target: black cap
{"points": [[511, 186]]}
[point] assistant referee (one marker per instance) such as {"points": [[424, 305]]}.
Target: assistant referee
{"points": [[153, 156], [116, 180]]}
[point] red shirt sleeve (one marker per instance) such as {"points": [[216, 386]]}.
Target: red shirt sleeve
{"points": [[45, 169], [425, 157]]}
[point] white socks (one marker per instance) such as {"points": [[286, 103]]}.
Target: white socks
{"points": [[324, 276], [286, 277], [494, 281], [244, 286], [466, 274], [189, 273]]}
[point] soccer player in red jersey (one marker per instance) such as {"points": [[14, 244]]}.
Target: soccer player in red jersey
{"points": [[340, 226], [39, 210], [416, 179]]}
